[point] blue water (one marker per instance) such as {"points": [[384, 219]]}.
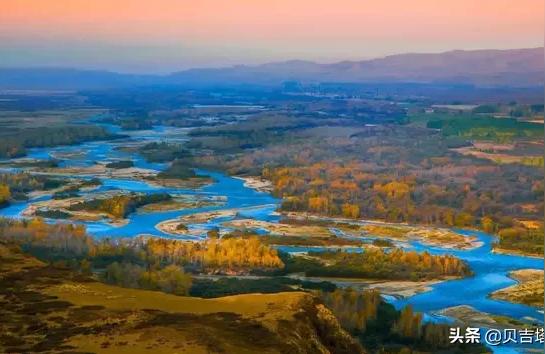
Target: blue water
{"points": [[490, 270], [256, 205], [262, 206], [490, 274]]}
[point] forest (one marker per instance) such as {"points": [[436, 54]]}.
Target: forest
{"points": [[231, 286], [14, 143], [378, 324], [397, 173], [168, 266], [5, 195], [162, 152], [17, 185], [530, 241], [377, 264], [120, 164], [310, 240], [119, 206], [488, 128], [156, 264], [348, 190], [178, 169], [170, 279], [70, 243], [342, 151]]}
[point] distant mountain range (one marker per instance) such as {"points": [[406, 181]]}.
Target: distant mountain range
{"points": [[482, 68]]}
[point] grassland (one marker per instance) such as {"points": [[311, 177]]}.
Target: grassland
{"points": [[53, 309]]}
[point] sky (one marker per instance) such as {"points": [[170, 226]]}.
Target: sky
{"points": [[160, 36]]}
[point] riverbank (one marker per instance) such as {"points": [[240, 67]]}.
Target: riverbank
{"points": [[281, 229], [528, 291], [426, 235], [99, 171], [182, 202], [512, 252], [61, 209], [147, 175], [176, 228], [469, 316], [424, 296], [258, 183], [188, 183], [395, 288]]}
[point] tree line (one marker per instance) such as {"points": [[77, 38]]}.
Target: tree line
{"points": [[71, 242], [16, 185], [15, 143], [347, 190], [383, 329], [378, 264], [394, 173], [120, 206]]}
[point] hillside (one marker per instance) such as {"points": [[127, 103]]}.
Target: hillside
{"points": [[46, 308], [482, 68], [514, 68]]}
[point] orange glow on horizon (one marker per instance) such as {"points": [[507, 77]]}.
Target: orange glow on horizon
{"points": [[310, 29]]}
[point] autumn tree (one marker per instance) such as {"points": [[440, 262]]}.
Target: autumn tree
{"points": [[5, 194], [172, 279]]}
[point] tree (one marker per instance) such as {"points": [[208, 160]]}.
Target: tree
{"points": [[351, 211], [488, 225], [85, 266], [5, 194], [409, 323], [213, 234], [113, 273], [172, 279], [463, 219]]}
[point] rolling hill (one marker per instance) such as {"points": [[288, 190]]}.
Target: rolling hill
{"points": [[481, 68], [48, 308]]}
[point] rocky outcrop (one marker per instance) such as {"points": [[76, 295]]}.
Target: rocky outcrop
{"points": [[316, 330]]}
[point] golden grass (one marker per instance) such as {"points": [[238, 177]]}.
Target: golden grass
{"points": [[469, 316], [12, 261], [529, 290], [531, 224], [116, 298], [444, 238], [48, 309], [500, 158], [386, 230], [282, 229]]}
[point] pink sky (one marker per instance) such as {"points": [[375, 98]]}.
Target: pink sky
{"points": [[165, 35]]}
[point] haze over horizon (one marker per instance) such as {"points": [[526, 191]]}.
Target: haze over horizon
{"points": [[167, 35]]}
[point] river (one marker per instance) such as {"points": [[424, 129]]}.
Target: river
{"points": [[490, 269]]}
